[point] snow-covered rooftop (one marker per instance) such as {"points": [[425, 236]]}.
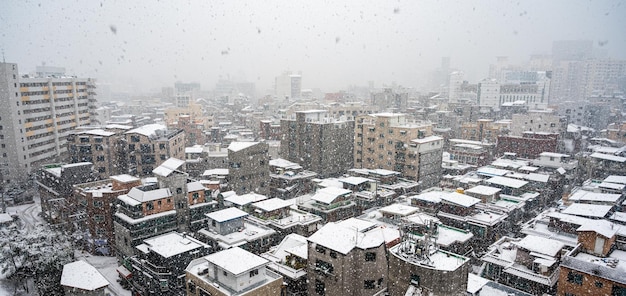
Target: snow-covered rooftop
{"points": [[82, 275], [346, 235], [583, 195], [244, 199], [602, 227], [97, 132], [219, 172], [169, 166], [489, 171], [285, 164], [587, 210], [507, 182], [460, 199], [238, 146], [427, 139], [616, 179], [328, 194], [399, 209], [195, 186], [136, 196], [355, 180], [541, 245], [483, 190], [125, 178], [226, 214], [430, 196], [272, 204], [147, 130], [608, 157], [171, 244], [236, 260]]}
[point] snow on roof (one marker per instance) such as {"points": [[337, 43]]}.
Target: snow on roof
{"points": [[329, 182], [171, 244], [269, 205], [238, 146], [346, 235], [226, 214], [619, 216], [427, 139], [292, 244], [97, 132], [398, 209], [244, 199], [540, 245], [608, 157], [421, 218], [355, 180], [147, 130], [82, 275], [145, 196], [236, 260], [195, 186], [587, 210], [328, 194], [118, 126], [4, 218], [507, 182], [616, 179], [602, 227], [125, 178], [285, 164], [528, 168], [537, 177], [489, 171], [169, 166], [460, 199], [446, 235], [614, 186], [475, 283], [483, 190], [194, 149], [584, 195], [221, 172], [430, 196]]}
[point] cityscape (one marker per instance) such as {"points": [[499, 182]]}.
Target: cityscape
{"points": [[330, 172]]}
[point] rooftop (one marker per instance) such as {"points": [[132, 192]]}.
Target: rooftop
{"points": [[82, 275], [238, 146], [226, 214], [588, 210], [170, 244], [236, 260], [168, 167]]}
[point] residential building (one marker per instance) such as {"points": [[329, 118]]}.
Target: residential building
{"points": [[331, 203], [102, 147], [248, 167], [390, 99], [151, 145], [318, 143], [158, 268], [483, 130], [538, 122], [289, 259], [587, 274], [232, 272], [59, 206], [471, 152], [530, 145], [289, 180], [388, 141], [40, 113], [100, 198], [339, 249]]}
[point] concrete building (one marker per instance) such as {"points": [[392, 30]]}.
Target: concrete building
{"points": [[483, 130], [232, 272], [100, 197], [248, 167], [288, 86], [390, 99], [102, 147], [39, 114], [534, 93], [289, 259], [150, 145], [389, 141], [289, 179], [319, 143], [587, 274], [538, 121], [339, 249]]}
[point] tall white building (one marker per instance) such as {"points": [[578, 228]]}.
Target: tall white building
{"points": [[454, 88], [531, 87], [288, 85], [37, 115]]}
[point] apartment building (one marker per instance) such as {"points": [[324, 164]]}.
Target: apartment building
{"points": [[102, 147], [389, 141], [319, 143], [150, 145], [40, 113], [248, 167]]}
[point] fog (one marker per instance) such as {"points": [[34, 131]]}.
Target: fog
{"points": [[334, 44]]}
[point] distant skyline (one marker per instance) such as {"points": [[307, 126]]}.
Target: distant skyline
{"points": [[145, 45]]}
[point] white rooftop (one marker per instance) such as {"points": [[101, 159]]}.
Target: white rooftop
{"points": [[140, 196], [507, 182], [460, 199], [426, 139], [124, 178], [195, 186], [540, 245], [169, 166], [328, 194], [608, 157], [226, 214], [82, 275], [430, 196], [171, 244], [483, 190], [236, 260], [272, 204], [355, 180], [97, 132], [616, 179], [147, 130], [489, 171], [343, 237], [244, 199], [602, 227], [285, 164], [220, 172], [583, 195], [587, 210], [553, 154], [238, 146], [399, 209]]}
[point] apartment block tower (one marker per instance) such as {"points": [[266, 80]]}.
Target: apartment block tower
{"points": [[389, 141], [37, 116], [319, 143]]}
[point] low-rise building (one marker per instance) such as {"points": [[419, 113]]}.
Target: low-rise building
{"points": [[232, 272], [289, 259], [81, 278]]}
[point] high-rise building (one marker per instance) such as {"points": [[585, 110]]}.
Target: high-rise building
{"points": [[249, 167], [319, 143], [150, 145], [38, 115], [288, 85]]}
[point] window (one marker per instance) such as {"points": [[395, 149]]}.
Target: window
{"points": [[415, 279], [599, 284], [575, 278], [225, 273], [162, 146], [320, 287], [369, 284], [320, 249], [97, 204], [323, 267], [134, 139], [333, 254], [100, 158], [370, 256], [149, 206], [254, 272]]}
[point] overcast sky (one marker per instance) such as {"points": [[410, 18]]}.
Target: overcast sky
{"points": [[334, 43]]}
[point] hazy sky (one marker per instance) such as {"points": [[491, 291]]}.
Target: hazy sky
{"points": [[334, 43]]}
